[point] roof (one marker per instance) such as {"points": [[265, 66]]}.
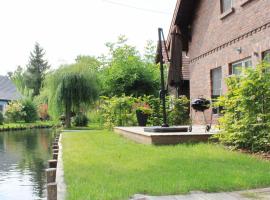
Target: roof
{"points": [[8, 90], [182, 16]]}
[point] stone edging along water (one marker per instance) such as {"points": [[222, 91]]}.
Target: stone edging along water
{"points": [[51, 170], [55, 175]]}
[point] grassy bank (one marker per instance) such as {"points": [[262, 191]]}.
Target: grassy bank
{"points": [[100, 165], [23, 125]]}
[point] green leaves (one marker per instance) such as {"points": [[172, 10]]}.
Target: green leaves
{"points": [[127, 72], [72, 87], [246, 120], [121, 111]]}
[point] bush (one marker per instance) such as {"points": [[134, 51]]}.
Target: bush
{"points": [[246, 120], [177, 110], [178, 113], [14, 111], [80, 120], [121, 111], [117, 111], [30, 110], [1, 118]]}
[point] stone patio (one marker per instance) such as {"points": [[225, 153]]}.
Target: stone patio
{"points": [[138, 134]]}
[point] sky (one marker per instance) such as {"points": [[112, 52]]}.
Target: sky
{"points": [[67, 28]]}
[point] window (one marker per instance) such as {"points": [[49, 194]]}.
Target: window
{"points": [[216, 86], [266, 56], [216, 77], [226, 5], [237, 67]]}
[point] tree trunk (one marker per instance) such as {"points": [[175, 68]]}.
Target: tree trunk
{"points": [[67, 118]]}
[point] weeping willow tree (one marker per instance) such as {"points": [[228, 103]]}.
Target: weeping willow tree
{"points": [[73, 91], [70, 89]]}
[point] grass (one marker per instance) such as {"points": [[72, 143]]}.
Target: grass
{"points": [[100, 165], [91, 126], [27, 125]]}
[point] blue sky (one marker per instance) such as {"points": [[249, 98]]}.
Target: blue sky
{"points": [[67, 28]]}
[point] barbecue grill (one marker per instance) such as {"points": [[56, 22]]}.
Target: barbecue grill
{"points": [[201, 105]]}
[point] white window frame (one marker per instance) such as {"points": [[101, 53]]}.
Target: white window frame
{"points": [[241, 64], [212, 81], [222, 6], [216, 110]]}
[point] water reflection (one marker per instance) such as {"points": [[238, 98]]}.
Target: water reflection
{"points": [[23, 159]]}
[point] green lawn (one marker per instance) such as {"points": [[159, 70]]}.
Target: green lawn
{"points": [[91, 126], [100, 165]]}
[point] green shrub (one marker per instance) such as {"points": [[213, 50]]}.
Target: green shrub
{"points": [[178, 112], [1, 118], [80, 120], [14, 111], [30, 110], [121, 111], [117, 111], [246, 119]]}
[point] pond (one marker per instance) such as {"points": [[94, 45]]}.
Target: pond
{"points": [[23, 160]]}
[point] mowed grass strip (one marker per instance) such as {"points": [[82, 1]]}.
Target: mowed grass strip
{"points": [[100, 165]]}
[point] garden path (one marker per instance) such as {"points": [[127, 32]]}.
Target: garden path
{"points": [[257, 194]]}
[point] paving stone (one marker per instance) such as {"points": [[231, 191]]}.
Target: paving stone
{"points": [[259, 194]]}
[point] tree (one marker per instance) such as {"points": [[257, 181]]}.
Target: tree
{"points": [[90, 62], [71, 88], [36, 69], [127, 73], [150, 52], [17, 77], [73, 91]]}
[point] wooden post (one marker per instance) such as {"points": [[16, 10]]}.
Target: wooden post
{"points": [[55, 143], [55, 156], [52, 163], [52, 191], [55, 150], [51, 175]]}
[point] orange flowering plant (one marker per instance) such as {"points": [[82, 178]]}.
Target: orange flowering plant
{"points": [[143, 107]]}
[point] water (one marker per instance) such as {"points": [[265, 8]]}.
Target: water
{"points": [[23, 160]]}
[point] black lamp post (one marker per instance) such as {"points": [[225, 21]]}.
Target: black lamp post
{"points": [[163, 90]]}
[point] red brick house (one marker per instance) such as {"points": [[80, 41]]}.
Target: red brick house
{"points": [[219, 37]]}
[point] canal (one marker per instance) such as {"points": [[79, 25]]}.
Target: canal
{"points": [[23, 160]]}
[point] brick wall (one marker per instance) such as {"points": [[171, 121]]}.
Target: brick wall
{"points": [[215, 40]]}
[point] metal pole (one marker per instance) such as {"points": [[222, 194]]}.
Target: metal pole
{"points": [[162, 91]]}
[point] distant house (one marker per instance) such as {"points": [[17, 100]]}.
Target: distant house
{"points": [[218, 37], [8, 92]]}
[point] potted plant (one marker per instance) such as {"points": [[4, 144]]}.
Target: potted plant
{"points": [[142, 113]]}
